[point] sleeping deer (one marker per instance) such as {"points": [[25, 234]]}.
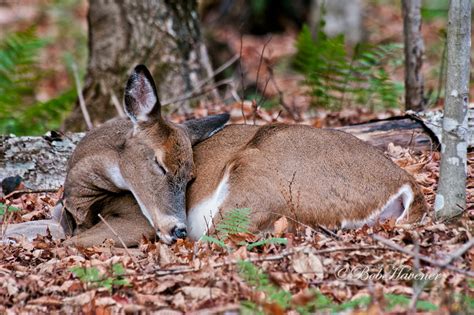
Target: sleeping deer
{"points": [[150, 177]]}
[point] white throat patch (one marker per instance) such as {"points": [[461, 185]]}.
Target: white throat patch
{"points": [[201, 216]]}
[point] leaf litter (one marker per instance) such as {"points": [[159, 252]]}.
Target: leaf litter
{"points": [[312, 267]]}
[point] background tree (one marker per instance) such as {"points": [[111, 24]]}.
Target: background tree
{"points": [[164, 35], [414, 49], [451, 195]]}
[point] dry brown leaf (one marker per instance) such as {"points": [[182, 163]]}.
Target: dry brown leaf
{"points": [[80, 299], [280, 226], [166, 256], [201, 293], [308, 265]]}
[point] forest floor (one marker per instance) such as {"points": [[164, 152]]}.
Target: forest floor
{"points": [[313, 270]]}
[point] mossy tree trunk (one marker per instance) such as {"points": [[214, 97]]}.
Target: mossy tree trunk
{"points": [[162, 34], [451, 195]]}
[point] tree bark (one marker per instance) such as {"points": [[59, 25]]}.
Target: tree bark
{"points": [[451, 196], [414, 49], [41, 161], [163, 34], [340, 16]]}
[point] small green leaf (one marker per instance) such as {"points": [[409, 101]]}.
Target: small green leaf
{"points": [[118, 269], [273, 240], [210, 239]]}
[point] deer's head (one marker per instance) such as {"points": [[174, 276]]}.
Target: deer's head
{"points": [[156, 161]]}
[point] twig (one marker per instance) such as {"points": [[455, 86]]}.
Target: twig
{"points": [[31, 191], [242, 78], [198, 90], [294, 116], [418, 286], [329, 232], [441, 265], [223, 67], [121, 241], [116, 104], [421, 286], [458, 252], [196, 93], [165, 272], [82, 103], [208, 67], [260, 62]]}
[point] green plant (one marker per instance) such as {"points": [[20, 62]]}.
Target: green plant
{"points": [[401, 300], [234, 222], [256, 278], [5, 208], [281, 298], [337, 78], [91, 276], [20, 74]]}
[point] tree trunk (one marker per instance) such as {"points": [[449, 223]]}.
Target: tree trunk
{"points": [[340, 17], [451, 195], [163, 34], [414, 49]]}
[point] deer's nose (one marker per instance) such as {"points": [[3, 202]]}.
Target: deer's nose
{"points": [[177, 232]]}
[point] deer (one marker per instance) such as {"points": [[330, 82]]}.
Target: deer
{"points": [[147, 176]]}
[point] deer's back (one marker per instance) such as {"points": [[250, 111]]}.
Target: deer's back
{"points": [[326, 175]]}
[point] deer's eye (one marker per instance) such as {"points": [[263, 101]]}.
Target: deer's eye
{"points": [[160, 167]]}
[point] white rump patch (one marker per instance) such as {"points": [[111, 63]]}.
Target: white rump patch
{"points": [[200, 217], [397, 206]]}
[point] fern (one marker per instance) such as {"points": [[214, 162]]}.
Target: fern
{"points": [[20, 74], [256, 278], [92, 277], [234, 222], [337, 80]]}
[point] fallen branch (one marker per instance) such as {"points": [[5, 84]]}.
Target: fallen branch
{"points": [[82, 103], [456, 254], [31, 191], [166, 272], [442, 265]]}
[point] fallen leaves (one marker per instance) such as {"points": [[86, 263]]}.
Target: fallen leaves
{"points": [[36, 276]]}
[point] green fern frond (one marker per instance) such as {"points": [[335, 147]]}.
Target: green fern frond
{"points": [[336, 79], [234, 222], [256, 278], [20, 112]]}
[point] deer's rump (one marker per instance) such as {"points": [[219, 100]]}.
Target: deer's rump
{"points": [[314, 176]]}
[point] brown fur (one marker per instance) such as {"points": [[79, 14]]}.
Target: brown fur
{"points": [[333, 176]]}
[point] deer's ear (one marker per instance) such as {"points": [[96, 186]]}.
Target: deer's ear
{"points": [[201, 129], [141, 100]]}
